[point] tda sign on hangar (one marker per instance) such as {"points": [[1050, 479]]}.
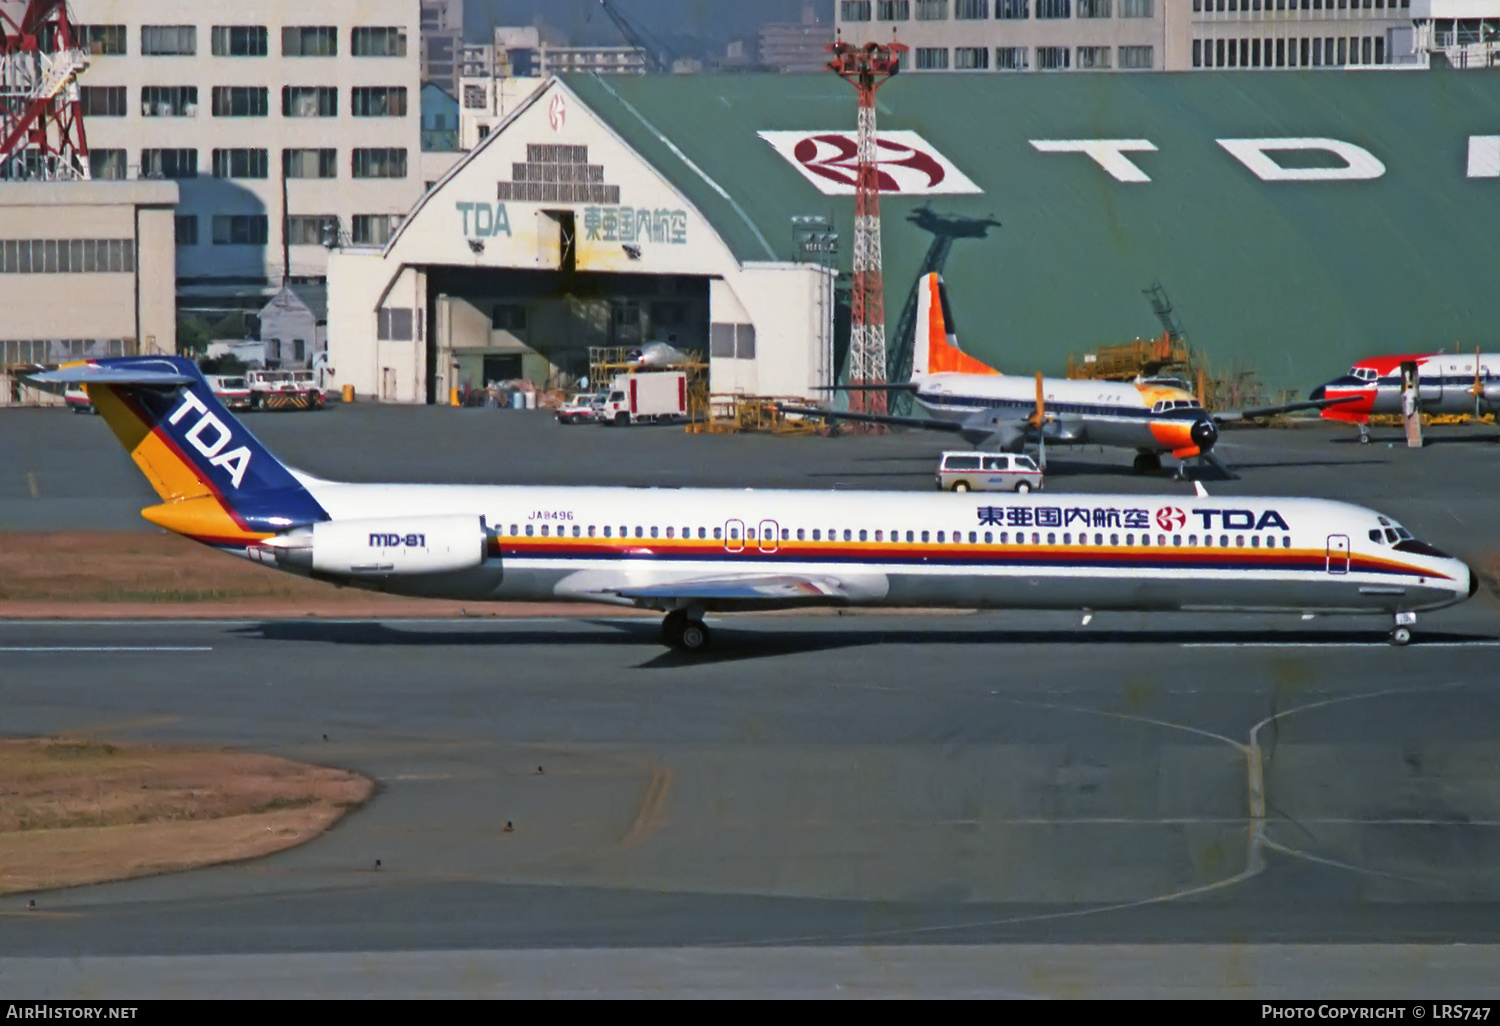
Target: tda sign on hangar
{"points": [[558, 232]]}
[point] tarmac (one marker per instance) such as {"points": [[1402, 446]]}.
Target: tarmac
{"points": [[996, 804]]}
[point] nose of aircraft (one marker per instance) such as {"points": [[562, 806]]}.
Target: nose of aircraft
{"points": [[1321, 392], [1204, 434], [1473, 581]]}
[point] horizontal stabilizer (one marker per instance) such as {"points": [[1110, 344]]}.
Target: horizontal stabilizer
{"points": [[88, 373]]}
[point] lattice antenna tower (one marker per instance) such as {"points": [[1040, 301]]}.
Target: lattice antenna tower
{"points": [[867, 68], [41, 123]]}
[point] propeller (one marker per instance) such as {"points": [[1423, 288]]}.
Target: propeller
{"points": [[1478, 389], [1037, 420]]}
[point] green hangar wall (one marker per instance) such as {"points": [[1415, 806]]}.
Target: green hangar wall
{"points": [[1295, 270]]}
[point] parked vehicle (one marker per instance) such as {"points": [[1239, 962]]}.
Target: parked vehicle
{"points": [[77, 398], [652, 397], [987, 472], [284, 389], [579, 409], [232, 390]]}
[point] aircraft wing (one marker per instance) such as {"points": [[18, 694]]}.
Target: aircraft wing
{"points": [[778, 589], [899, 386], [1271, 411], [926, 423]]}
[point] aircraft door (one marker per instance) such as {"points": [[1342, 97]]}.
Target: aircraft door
{"points": [[734, 536], [1430, 385], [770, 536], [1338, 553]]}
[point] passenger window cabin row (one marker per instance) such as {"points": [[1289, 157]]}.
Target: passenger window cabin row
{"points": [[749, 534]]}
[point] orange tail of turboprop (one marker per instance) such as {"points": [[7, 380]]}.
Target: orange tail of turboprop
{"points": [[936, 345]]}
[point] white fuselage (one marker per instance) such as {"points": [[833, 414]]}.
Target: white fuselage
{"points": [[1103, 412], [919, 549]]}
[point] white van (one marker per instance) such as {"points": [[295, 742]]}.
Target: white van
{"points": [[987, 472]]}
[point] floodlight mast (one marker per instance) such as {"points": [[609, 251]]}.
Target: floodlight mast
{"points": [[41, 121], [867, 68]]}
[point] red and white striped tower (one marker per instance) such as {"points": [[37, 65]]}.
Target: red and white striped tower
{"points": [[867, 68], [41, 126]]}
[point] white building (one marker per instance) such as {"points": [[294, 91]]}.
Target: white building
{"points": [[227, 96], [1174, 35], [86, 270], [556, 234]]}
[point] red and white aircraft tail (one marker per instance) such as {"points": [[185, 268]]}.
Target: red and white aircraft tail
{"points": [[935, 345]]}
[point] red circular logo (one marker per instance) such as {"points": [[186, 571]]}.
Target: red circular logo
{"points": [[900, 168], [1170, 518]]}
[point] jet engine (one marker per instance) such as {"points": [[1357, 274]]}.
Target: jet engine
{"points": [[387, 546]]}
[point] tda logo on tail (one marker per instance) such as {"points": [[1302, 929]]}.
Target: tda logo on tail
{"points": [[210, 436]]}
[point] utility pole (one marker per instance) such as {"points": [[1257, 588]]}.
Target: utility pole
{"points": [[867, 68]]}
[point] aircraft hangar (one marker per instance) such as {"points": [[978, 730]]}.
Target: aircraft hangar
{"points": [[1291, 217]]}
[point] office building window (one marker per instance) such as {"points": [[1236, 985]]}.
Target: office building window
{"points": [[1094, 9], [932, 10], [241, 230], [1136, 57], [932, 58], [309, 102], [379, 163], [1011, 58], [241, 164], [67, 256], [373, 229], [394, 325], [169, 40], [1052, 58], [893, 10], [973, 10], [971, 58], [378, 101], [378, 42], [312, 230], [185, 229], [173, 163], [1053, 9], [1093, 57], [1197, 53], [310, 163], [107, 165], [102, 101], [240, 41], [854, 10], [1138, 8], [100, 40], [509, 317], [1012, 10], [309, 41], [169, 101], [241, 101]]}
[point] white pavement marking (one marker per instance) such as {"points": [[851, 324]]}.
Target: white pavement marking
{"points": [[106, 648], [1335, 644]]}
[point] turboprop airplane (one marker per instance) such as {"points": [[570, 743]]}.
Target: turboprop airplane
{"points": [[1443, 383], [688, 552], [967, 397]]}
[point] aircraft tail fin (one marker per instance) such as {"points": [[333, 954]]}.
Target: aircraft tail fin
{"points": [[935, 346], [217, 483]]}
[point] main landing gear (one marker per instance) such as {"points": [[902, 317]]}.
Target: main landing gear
{"points": [[1401, 632], [684, 633], [1147, 462]]}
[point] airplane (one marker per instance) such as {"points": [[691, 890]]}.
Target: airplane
{"points": [[689, 552], [966, 397], [1445, 383]]}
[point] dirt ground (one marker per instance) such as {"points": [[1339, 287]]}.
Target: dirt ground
{"points": [[75, 811]]}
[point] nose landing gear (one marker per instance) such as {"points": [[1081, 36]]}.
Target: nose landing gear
{"points": [[685, 633]]}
